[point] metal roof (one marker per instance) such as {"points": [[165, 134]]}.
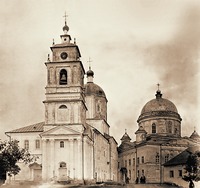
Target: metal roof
{"points": [[38, 127]]}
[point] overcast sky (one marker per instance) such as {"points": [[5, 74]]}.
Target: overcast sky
{"points": [[133, 44]]}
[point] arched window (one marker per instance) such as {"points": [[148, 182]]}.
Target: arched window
{"points": [[153, 128], [62, 165], [63, 77], [169, 127], [62, 107], [62, 145], [62, 113]]}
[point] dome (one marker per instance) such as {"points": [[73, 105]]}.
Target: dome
{"points": [[159, 107], [65, 28], [90, 73], [195, 136], [94, 89], [125, 138]]}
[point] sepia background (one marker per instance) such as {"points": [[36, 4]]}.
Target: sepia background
{"points": [[133, 45]]}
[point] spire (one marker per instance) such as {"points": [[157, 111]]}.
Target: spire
{"points": [[158, 92], [66, 38], [90, 73], [65, 28]]}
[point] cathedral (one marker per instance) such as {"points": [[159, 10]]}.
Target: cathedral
{"points": [[152, 158], [73, 143]]}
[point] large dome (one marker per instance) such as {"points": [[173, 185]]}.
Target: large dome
{"points": [[94, 89], [159, 107]]}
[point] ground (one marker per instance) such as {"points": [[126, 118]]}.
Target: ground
{"points": [[86, 186]]}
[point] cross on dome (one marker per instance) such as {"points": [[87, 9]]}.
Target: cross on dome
{"points": [[158, 92], [65, 28], [89, 61], [158, 86], [65, 16]]}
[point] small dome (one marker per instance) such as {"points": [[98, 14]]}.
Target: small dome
{"points": [[90, 73], [195, 136], [94, 89], [140, 130], [65, 28], [125, 138]]}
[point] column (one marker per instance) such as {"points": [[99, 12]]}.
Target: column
{"points": [[79, 169], [75, 159], [52, 159], [44, 165], [71, 165]]}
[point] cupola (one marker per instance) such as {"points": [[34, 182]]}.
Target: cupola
{"points": [[125, 138]]}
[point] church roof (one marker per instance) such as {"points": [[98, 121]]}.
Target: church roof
{"points": [[180, 159], [94, 89], [159, 107], [195, 136], [38, 127], [159, 104]]}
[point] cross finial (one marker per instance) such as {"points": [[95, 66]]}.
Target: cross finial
{"points": [[194, 128], [89, 61], [65, 16], [158, 86], [48, 58], [125, 130]]}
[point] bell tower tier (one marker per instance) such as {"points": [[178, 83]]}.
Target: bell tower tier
{"points": [[65, 103]]}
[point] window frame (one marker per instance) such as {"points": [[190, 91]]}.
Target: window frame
{"points": [[26, 144], [62, 144]]}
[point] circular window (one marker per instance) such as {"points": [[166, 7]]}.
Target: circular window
{"points": [[63, 55]]}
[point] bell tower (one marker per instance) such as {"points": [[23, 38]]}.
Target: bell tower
{"points": [[65, 103]]}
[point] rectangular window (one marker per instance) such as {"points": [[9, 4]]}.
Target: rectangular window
{"points": [[157, 158], [129, 174], [138, 160], [26, 144], [118, 164], [171, 173], [180, 173], [133, 161], [129, 162], [37, 144], [166, 158], [125, 163], [142, 159]]}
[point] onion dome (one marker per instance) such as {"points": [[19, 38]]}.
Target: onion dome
{"points": [[195, 136], [90, 72], [125, 138], [159, 107], [65, 28]]}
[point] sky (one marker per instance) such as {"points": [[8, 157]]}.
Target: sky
{"points": [[133, 45]]}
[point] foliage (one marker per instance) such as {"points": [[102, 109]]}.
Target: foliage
{"points": [[10, 154], [192, 167]]}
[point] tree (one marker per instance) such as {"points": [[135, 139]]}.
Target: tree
{"points": [[10, 154], [192, 168]]}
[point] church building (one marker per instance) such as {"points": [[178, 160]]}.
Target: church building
{"points": [[158, 141], [73, 143]]}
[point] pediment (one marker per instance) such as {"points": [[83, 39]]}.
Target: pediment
{"points": [[61, 130]]}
